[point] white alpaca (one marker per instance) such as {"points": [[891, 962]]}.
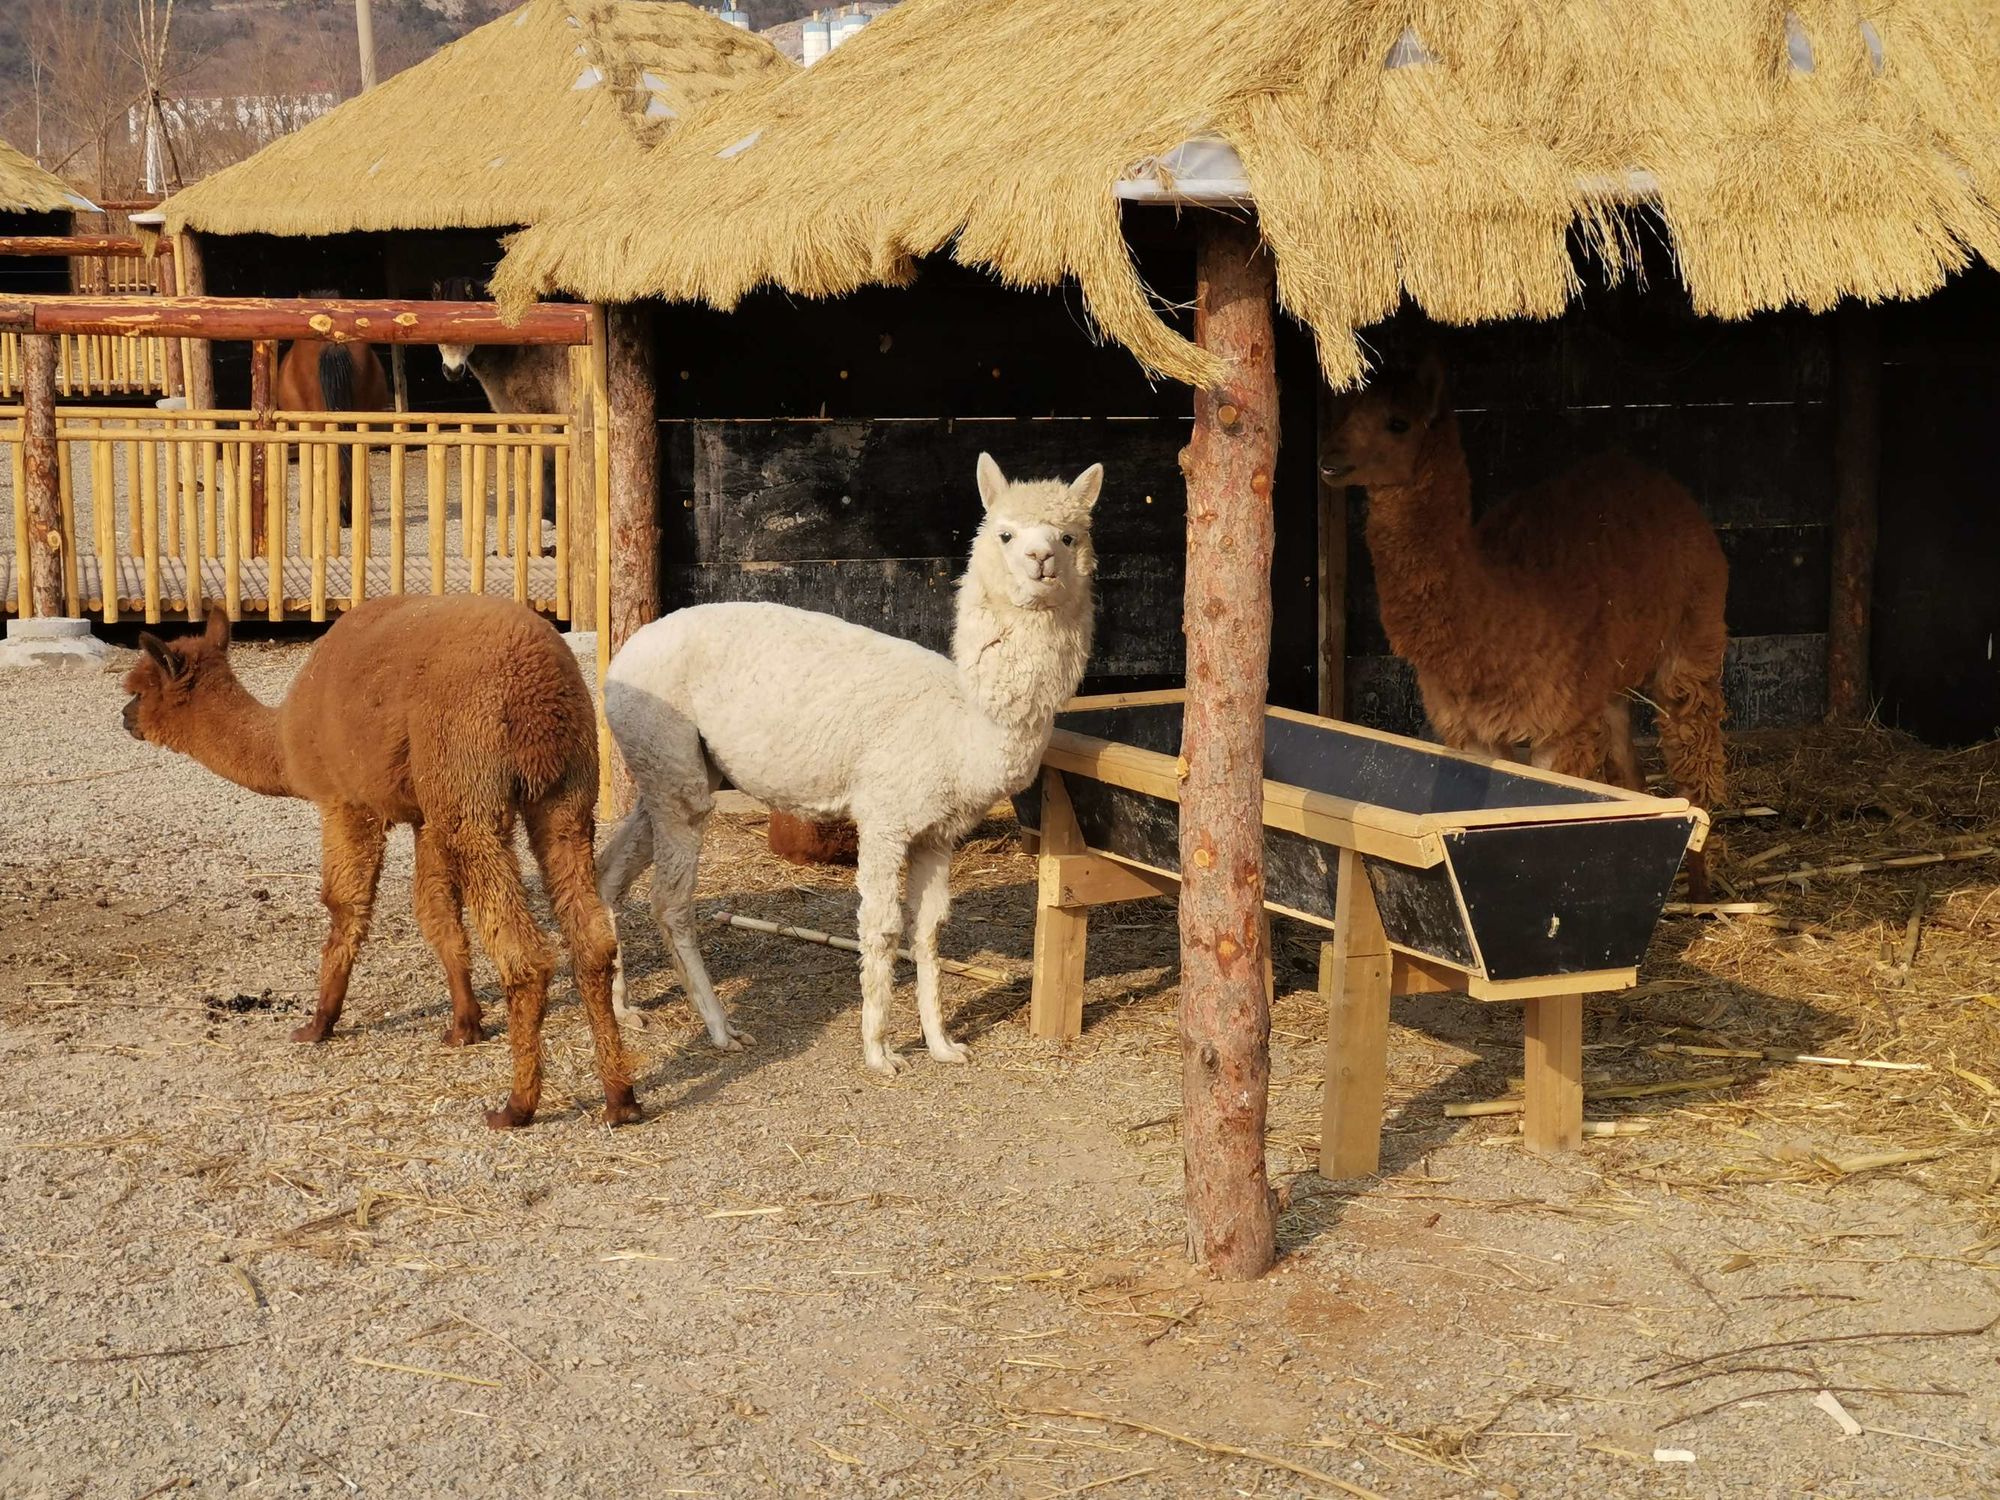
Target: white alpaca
{"points": [[826, 719]]}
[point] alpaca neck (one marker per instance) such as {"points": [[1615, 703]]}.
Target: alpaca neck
{"points": [[236, 737], [1427, 567], [1020, 666]]}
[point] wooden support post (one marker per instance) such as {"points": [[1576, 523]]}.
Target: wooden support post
{"points": [[1857, 448], [582, 494], [1355, 973], [1331, 573], [198, 357], [263, 381], [1225, 1017], [631, 455], [44, 583], [168, 277], [1553, 1110], [1055, 997]]}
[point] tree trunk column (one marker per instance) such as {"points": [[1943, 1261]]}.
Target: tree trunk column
{"points": [[1857, 387], [44, 584], [1225, 1013], [631, 413], [197, 355]]}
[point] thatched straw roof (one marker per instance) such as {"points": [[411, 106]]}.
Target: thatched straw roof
{"points": [[26, 188], [1794, 151], [500, 128]]}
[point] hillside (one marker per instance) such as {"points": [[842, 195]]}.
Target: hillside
{"points": [[70, 75]]}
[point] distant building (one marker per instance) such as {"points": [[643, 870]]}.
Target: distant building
{"points": [[263, 117]]}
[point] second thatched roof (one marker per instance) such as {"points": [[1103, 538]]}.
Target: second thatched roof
{"points": [[503, 127], [26, 188], [1455, 151]]}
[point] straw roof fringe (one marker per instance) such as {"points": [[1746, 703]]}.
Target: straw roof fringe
{"points": [[498, 129], [1803, 151], [26, 188]]}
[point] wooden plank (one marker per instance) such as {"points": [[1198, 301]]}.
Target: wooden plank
{"points": [[1354, 977], [1055, 1002], [1330, 577], [331, 320], [1553, 1115], [1857, 454], [1083, 880]]}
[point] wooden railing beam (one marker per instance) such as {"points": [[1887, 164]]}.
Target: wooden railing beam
{"points": [[338, 322]]}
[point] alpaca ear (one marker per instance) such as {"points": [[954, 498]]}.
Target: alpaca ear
{"points": [[1430, 386], [217, 634], [992, 483], [168, 663], [1083, 491]]}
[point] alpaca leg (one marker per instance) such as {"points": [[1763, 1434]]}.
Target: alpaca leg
{"points": [[441, 916], [880, 873], [1691, 711], [492, 879], [628, 851], [560, 833], [676, 859], [1621, 755], [351, 842], [1577, 751], [929, 901]]}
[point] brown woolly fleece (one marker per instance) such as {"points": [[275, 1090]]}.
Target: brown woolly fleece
{"points": [[1532, 626], [454, 715]]}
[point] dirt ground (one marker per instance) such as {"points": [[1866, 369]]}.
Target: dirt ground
{"points": [[230, 1264]]}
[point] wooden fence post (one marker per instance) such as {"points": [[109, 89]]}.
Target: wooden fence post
{"points": [[1857, 387], [263, 373], [631, 453], [1225, 1016], [583, 493], [44, 583], [198, 356]]}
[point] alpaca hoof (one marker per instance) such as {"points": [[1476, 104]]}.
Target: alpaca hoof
{"points": [[950, 1052], [507, 1117], [622, 1109], [732, 1040], [312, 1031], [456, 1035], [888, 1064]]}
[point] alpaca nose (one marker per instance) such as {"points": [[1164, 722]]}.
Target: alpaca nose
{"points": [[1043, 558]]}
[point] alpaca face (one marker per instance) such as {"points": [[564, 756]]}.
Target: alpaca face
{"points": [[1379, 434], [167, 681], [1034, 545]]}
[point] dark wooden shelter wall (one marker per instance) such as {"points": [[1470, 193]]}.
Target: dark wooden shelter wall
{"points": [[350, 265], [821, 454], [35, 275], [1739, 412], [1937, 609]]}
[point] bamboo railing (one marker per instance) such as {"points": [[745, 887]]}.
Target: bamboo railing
{"points": [[164, 513], [93, 365]]}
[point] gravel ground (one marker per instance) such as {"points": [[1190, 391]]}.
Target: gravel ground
{"points": [[236, 1265]]}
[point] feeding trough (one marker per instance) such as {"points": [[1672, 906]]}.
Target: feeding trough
{"points": [[1435, 871]]}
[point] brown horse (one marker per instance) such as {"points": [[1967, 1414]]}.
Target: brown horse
{"points": [[318, 376]]}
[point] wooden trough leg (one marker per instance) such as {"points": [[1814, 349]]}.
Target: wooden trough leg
{"points": [[1055, 1002], [1354, 975], [1554, 1108]]}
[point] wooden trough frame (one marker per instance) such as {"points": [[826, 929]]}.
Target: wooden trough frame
{"points": [[1490, 879]]}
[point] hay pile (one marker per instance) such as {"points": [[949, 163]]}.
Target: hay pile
{"points": [[493, 131], [26, 188], [1784, 162]]}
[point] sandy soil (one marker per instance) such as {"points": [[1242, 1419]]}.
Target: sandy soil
{"points": [[235, 1265]]}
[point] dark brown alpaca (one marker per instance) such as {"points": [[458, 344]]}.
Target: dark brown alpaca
{"points": [[1532, 626], [453, 715]]}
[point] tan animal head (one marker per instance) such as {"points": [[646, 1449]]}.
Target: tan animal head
{"points": [[1378, 433], [171, 681], [1034, 546]]}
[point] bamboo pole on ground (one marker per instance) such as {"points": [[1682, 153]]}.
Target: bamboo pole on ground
{"points": [[1225, 1018], [42, 588]]}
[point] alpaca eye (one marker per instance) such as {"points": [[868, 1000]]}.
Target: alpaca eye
{"points": [[1398, 424], [1068, 540], [1006, 536]]}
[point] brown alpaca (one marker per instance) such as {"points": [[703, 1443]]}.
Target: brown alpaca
{"points": [[1531, 626], [453, 715], [801, 841]]}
